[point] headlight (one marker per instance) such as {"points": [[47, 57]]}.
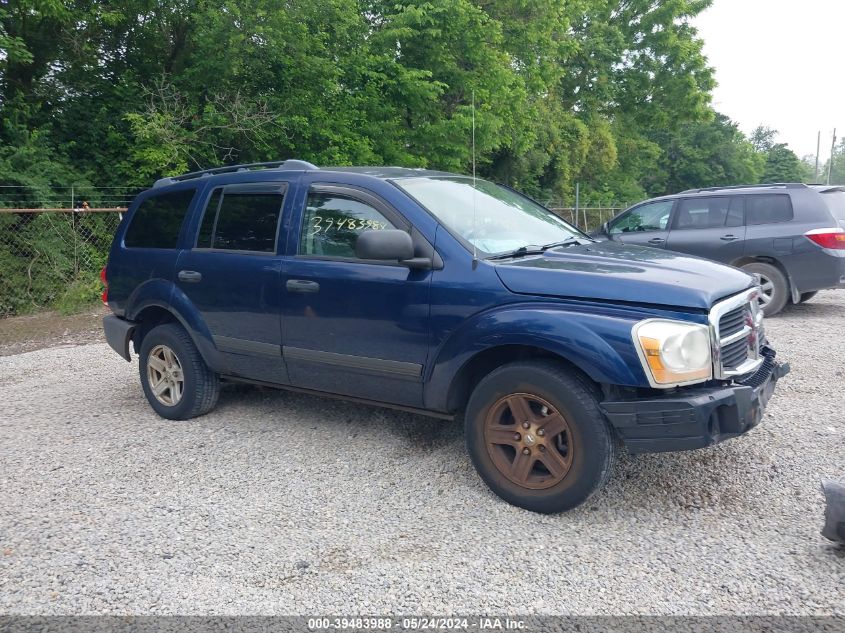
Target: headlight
{"points": [[672, 352]]}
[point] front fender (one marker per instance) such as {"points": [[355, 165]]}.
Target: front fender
{"points": [[597, 340], [166, 295]]}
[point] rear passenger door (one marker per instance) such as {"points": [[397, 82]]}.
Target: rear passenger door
{"points": [[771, 231], [232, 276], [643, 225], [712, 227]]}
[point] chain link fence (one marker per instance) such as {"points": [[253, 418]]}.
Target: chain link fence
{"points": [[53, 243], [587, 218]]}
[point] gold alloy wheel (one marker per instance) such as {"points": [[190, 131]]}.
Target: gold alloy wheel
{"points": [[529, 442], [165, 376]]}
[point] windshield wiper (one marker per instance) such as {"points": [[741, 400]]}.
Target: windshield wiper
{"points": [[533, 249], [569, 241], [522, 251]]}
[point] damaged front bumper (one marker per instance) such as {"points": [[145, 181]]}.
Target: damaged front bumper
{"points": [[696, 417]]}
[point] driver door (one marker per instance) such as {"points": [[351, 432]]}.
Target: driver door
{"points": [[351, 326], [644, 225]]}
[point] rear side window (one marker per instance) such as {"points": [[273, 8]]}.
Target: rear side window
{"points": [[158, 219], [702, 213], [242, 220], [767, 209]]}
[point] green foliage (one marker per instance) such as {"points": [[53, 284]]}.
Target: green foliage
{"points": [[782, 165], [612, 95], [710, 153]]}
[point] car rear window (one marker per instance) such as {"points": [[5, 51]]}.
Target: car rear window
{"points": [[836, 203], [768, 209], [158, 219]]}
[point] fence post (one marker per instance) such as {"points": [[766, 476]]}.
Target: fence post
{"points": [[75, 233], [577, 201]]}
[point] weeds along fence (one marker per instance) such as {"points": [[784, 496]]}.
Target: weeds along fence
{"points": [[54, 242]]}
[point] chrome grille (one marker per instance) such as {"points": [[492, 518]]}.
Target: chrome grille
{"points": [[737, 326], [734, 354], [733, 321]]}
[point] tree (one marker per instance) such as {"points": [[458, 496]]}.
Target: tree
{"points": [[783, 165], [711, 153]]}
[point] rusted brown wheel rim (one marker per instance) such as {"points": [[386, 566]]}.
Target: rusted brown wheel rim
{"points": [[529, 441]]}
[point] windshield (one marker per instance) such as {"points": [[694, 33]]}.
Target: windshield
{"points": [[494, 219]]}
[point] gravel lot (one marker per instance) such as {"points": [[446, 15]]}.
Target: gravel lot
{"points": [[278, 503]]}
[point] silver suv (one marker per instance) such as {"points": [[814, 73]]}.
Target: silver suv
{"points": [[791, 235]]}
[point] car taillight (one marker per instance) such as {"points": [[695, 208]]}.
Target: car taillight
{"points": [[105, 295], [828, 238]]}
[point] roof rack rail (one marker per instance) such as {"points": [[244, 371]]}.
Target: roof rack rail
{"points": [[292, 164], [786, 185]]}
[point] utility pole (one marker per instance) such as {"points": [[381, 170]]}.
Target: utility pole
{"points": [[832, 150], [818, 149]]}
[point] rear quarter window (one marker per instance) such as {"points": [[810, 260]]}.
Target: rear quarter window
{"points": [[835, 201], [768, 209], [158, 220]]}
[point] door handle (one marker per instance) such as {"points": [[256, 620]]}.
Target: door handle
{"points": [[729, 238], [302, 286], [190, 276], [656, 240]]}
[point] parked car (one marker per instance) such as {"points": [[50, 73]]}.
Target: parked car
{"points": [[791, 235], [438, 294]]}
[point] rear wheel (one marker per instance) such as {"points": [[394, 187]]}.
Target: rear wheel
{"points": [[536, 436], [806, 296], [774, 285], [177, 382]]}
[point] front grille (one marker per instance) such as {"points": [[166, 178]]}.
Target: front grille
{"points": [[738, 329], [734, 354], [733, 321]]}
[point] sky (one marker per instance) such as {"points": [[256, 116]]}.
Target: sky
{"points": [[779, 63]]}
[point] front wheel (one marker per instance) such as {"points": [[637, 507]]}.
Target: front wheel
{"points": [[537, 438], [177, 382]]}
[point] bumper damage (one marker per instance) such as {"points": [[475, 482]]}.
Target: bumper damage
{"points": [[696, 417]]}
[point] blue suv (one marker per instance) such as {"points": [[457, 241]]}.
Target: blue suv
{"points": [[439, 294]]}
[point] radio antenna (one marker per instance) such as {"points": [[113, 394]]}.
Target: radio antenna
{"points": [[474, 237]]}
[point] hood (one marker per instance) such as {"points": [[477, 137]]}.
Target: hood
{"points": [[618, 272]]}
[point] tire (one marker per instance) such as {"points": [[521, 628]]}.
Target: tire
{"points": [[806, 296], [200, 387], [775, 286], [587, 442]]}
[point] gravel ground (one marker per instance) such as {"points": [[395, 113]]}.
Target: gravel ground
{"points": [[277, 503]]}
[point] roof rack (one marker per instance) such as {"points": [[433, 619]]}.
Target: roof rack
{"points": [[785, 185], [290, 164]]}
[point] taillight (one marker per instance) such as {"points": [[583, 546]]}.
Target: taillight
{"points": [[105, 295], [828, 238]]}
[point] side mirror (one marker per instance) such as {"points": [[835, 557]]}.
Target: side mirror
{"points": [[605, 228], [386, 245]]}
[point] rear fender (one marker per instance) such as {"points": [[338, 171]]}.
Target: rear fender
{"points": [[165, 294]]}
